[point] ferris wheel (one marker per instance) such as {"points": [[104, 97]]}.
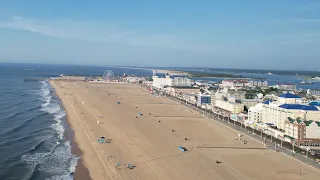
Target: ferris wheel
{"points": [[108, 75]]}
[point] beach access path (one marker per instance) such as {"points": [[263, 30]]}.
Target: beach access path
{"points": [[151, 141]]}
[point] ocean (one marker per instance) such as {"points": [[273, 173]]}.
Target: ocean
{"points": [[33, 139]]}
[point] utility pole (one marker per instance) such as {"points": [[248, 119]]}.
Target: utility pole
{"points": [[292, 146]]}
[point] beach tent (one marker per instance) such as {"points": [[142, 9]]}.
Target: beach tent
{"points": [[182, 149], [130, 166], [101, 140]]}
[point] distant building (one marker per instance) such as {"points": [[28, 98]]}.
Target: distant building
{"points": [[289, 98], [305, 133], [190, 98], [204, 99], [232, 107], [258, 84], [234, 83], [287, 87], [313, 92], [249, 102], [161, 80], [237, 94]]}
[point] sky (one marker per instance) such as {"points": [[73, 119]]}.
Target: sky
{"points": [[265, 34]]}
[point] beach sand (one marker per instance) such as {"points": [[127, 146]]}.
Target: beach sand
{"points": [[152, 147]]}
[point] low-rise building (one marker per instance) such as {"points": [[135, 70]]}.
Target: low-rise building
{"points": [[190, 98], [289, 98], [258, 84], [249, 102], [204, 99], [313, 92], [234, 83], [232, 107], [305, 133], [287, 87]]}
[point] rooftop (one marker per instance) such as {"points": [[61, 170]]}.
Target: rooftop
{"points": [[314, 103], [267, 102], [306, 122], [299, 106], [289, 95]]}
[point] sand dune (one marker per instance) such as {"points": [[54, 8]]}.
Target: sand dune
{"points": [[152, 147]]}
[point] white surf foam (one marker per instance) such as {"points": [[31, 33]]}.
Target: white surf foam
{"points": [[51, 108], [45, 90], [59, 115], [62, 177], [60, 163], [58, 126], [47, 100]]}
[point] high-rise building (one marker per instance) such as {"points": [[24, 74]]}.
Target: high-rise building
{"points": [[160, 80]]}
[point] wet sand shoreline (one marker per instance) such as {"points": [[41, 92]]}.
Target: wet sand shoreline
{"points": [[82, 172]]}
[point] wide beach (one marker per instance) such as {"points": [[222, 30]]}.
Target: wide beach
{"points": [[149, 143]]}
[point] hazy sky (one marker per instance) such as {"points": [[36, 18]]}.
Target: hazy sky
{"points": [[277, 34]]}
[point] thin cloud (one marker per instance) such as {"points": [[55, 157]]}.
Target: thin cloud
{"points": [[101, 32]]}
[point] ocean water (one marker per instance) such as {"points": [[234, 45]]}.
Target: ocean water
{"points": [[33, 122]]}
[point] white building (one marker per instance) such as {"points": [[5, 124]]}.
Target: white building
{"points": [[160, 80], [234, 83], [277, 112], [313, 92], [232, 107], [255, 113], [286, 87], [250, 102], [258, 84]]}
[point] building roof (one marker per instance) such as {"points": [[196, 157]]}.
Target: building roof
{"points": [[267, 102], [299, 106], [289, 95], [160, 75], [314, 103], [306, 122], [177, 76]]}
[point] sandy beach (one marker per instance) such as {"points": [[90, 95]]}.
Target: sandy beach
{"points": [[149, 143]]}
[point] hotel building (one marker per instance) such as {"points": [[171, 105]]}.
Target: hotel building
{"points": [[276, 112], [305, 133], [161, 80]]}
